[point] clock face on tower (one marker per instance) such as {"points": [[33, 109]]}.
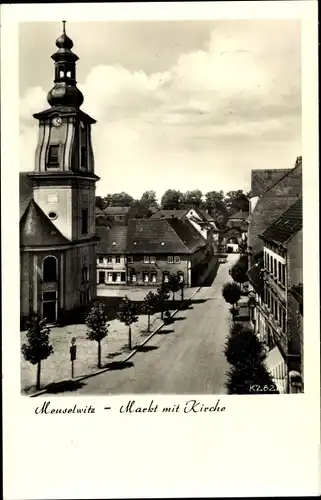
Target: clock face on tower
{"points": [[56, 121]]}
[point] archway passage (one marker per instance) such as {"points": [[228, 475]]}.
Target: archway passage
{"points": [[232, 239]]}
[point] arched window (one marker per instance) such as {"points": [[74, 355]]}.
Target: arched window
{"points": [[50, 269]]}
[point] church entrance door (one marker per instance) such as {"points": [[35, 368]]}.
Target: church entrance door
{"points": [[49, 306]]}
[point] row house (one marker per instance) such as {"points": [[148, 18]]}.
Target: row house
{"points": [[273, 277], [273, 191], [111, 258], [147, 251]]}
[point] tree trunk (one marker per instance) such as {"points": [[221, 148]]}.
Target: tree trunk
{"points": [[129, 337], [162, 311], [38, 375], [99, 354], [148, 328]]}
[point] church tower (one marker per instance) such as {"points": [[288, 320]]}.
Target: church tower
{"points": [[63, 182]]}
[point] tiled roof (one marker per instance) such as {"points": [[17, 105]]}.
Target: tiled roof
{"points": [[255, 275], [116, 210], [166, 214], [162, 236], [37, 230], [188, 234], [239, 215], [263, 179], [285, 226], [25, 191], [113, 240]]}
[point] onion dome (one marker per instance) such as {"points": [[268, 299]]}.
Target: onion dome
{"points": [[64, 42], [65, 91], [63, 94]]}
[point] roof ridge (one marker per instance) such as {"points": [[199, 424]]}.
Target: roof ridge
{"points": [[173, 230], [279, 180]]}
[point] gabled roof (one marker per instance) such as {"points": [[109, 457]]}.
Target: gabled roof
{"points": [[113, 240], [165, 236], [188, 234], [286, 226], [37, 230], [167, 214], [240, 215]]}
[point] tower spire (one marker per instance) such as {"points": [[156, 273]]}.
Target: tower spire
{"points": [[65, 91]]}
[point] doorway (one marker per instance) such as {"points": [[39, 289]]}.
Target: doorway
{"points": [[49, 306]]}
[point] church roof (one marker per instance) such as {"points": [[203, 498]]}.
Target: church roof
{"points": [[37, 230], [25, 192]]}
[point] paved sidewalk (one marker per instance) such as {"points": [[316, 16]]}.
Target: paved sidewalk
{"points": [[57, 367]]}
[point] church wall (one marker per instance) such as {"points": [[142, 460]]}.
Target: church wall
{"points": [[25, 283], [56, 199]]}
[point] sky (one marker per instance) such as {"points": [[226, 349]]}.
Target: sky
{"points": [[179, 105]]}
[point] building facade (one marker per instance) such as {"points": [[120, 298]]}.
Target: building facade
{"points": [[111, 256], [57, 225], [281, 269], [272, 193], [147, 251]]}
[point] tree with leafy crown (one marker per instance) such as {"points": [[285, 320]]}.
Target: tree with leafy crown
{"points": [[231, 293], [127, 314], [163, 296], [97, 326], [174, 284], [37, 348], [149, 306]]}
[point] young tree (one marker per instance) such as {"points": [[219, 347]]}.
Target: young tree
{"points": [[149, 306], [127, 314], [174, 284], [231, 293], [163, 296], [97, 326], [38, 347], [238, 273]]}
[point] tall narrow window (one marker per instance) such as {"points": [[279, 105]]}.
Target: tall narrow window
{"points": [[50, 269], [84, 221], [53, 156], [83, 148], [83, 157], [280, 272]]}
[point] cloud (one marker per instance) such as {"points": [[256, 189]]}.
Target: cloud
{"points": [[155, 130]]}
